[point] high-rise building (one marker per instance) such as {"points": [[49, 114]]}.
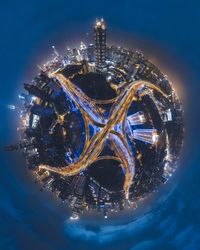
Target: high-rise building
{"points": [[146, 135], [100, 44], [91, 53], [136, 118]]}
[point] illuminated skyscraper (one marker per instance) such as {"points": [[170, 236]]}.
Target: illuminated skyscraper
{"points": [[136, 118], [146, 135], [100, 44], [91, 53]]}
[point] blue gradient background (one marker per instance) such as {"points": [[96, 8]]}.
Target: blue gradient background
{"points": [[166, 30]]}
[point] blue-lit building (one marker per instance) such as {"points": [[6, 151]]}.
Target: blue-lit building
{"points": [[146, 135], [136, 118]]}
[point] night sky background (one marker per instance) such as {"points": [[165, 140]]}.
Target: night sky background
{"points": [[168, 32]]}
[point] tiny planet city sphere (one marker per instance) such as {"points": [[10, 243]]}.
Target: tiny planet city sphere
{"points": [[101, 126]]}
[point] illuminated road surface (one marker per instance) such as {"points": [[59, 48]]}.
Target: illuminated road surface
{"points": [[95, 145]]}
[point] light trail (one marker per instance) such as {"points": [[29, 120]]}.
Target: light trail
{"points": [[122, 150], [81, 100], [94, 146]]}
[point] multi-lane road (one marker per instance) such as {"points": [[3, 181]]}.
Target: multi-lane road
{"points": [[92, 113]]}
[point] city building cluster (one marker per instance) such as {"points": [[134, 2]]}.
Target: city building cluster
{"points": [[101, 126]]}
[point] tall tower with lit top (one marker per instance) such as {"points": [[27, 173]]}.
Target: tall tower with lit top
{"points": [[100, 44]]}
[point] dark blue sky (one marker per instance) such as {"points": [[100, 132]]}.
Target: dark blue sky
{"points": [[167, 31]]}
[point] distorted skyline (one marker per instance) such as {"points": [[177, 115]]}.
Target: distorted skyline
{"points": [[168, 33]]}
